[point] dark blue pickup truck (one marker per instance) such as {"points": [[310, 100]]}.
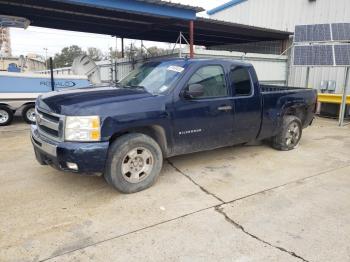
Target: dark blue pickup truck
{"points": [[162, 109]]}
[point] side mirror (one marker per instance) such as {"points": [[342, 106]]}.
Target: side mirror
{"points": [[194, 90]]}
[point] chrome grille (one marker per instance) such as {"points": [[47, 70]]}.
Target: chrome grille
{"points": [[49, 124]]}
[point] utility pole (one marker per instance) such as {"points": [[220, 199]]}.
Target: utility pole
{"points": [[46, 49]]}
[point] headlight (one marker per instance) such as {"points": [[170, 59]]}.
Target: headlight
{"points": [[82, 128]]}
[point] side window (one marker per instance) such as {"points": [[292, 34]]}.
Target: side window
{"points": [[212, 79], [240, 81]]}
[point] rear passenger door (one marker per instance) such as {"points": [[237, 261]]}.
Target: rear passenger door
{"points": [[247, 105]]}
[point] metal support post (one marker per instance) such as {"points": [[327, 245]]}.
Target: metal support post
{"points": [[123, 55], [191, 39], [115, 62], [343, 103], [180, 42], [51, 74], [307, 77], [1, 46]]}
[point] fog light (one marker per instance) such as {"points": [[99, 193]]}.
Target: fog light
{"points": [[72, 166]]}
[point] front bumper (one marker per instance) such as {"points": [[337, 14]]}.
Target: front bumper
{"points": [[89, 157]]}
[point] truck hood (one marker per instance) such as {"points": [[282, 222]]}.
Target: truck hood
{"points": [[85, 101]]}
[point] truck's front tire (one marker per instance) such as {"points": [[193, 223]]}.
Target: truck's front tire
{"points": [[134, 163], [6, 116], [289, 135]]}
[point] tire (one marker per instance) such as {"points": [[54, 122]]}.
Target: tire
{"points": [[28, 114], [6, 116], [134, 163], [290, 134]]}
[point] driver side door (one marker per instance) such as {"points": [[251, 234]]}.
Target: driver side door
{"points": [[204, 122]]}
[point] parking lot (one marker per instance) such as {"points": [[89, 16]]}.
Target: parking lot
{"points": [[244, 203]]}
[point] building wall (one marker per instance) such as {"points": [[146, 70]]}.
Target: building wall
{"points": [[30, 65], [284, 15]]}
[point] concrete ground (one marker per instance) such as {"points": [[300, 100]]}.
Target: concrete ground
{"points": [[246, 203]]}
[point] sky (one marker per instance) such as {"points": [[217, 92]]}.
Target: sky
{"points": [[45, 41]]}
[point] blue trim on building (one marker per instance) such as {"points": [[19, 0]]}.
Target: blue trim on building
{"points": [[139, 7], [225, 6]]}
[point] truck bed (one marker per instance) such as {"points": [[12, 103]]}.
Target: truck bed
{"points": [[274, 100]]}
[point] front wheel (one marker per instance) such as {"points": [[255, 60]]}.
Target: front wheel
{"points": [[28, 114], [134, 163], [290, 134]]}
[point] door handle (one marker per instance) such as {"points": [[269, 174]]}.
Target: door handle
{"points": [[225, 108]]}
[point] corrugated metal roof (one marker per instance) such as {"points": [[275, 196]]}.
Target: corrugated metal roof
{"points": [[135, 25], [171, 4], [279, 34]]}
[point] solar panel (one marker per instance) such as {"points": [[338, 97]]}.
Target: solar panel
{"points": [[313, 55], [302, 55], [322, 55], [341, 31], [342, 55], [300, 33], [312, 33]]}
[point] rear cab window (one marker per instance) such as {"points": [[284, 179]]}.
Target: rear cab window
{"points": [[241, 83]]}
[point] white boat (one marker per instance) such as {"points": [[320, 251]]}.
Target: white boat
{"points": [[19, 91]]}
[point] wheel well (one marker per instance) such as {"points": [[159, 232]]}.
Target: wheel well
{"points": [[29, 103], [155, 131], [9, 107], [299, 112]]}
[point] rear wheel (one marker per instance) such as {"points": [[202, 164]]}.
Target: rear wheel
{"points": [[6, 116], [290, 134], [134, 163], [28, 114]]}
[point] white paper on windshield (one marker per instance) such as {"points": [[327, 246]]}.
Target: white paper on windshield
{"points": [[163, 88], [177, 69]]}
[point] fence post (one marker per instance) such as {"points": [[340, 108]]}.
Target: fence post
{"points": [[343, 102]]}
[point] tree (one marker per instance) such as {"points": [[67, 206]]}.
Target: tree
{"points": [[136, 52], [67, 55], [95, 53], [157, 51]]}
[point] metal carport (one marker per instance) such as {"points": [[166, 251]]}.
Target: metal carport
{"points": [[152, 20]]}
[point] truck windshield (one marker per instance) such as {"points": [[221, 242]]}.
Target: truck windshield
{"points": [[154, 77]]}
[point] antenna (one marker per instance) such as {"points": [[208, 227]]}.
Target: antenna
{"points": [[179, 42], [84, 65]]}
